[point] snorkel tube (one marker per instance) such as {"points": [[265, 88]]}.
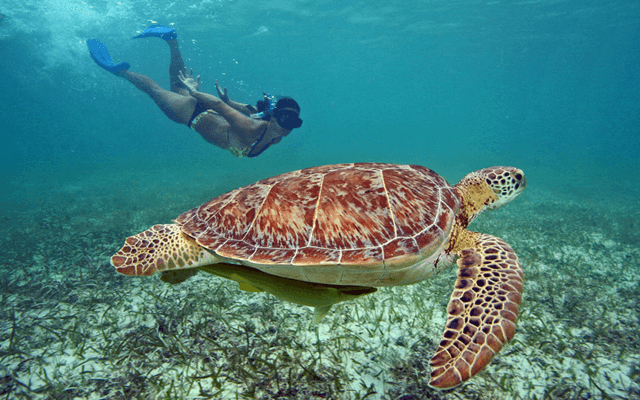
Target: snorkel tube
{"points": [[265, 106]]}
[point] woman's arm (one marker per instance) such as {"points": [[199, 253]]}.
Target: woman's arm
{"points": [[242, 107], [238, 121], [247, 109]]}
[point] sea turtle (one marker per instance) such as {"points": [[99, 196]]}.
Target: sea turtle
{"points": [[325, 234]]}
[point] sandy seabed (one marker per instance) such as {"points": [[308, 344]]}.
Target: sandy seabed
{"points": [[71, 328]]}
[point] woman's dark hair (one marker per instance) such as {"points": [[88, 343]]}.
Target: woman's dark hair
{"points": [[261, 105], [288, 102]]}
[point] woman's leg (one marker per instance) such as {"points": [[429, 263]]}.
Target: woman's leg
{"points": [[177, 65], [177, 107]]}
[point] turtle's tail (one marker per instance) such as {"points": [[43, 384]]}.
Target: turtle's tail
{"points": [[160, 248]]}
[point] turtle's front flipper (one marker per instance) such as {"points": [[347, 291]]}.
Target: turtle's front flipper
{"points": [[160, 248], [482, 311]]}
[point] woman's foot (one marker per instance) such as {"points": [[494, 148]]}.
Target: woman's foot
{"points": [[101, 56], [160, 31]]}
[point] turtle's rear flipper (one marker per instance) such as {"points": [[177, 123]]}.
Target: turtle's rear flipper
{"points": [[160, 248], [482, 311]]}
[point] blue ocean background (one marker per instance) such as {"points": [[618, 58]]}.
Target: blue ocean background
{"points": [[551, 87]]}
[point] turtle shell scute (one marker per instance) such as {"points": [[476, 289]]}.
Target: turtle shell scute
{"points": [[348, 214]]}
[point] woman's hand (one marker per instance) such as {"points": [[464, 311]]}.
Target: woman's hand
{"points": [[188, 81], [222, 93]]}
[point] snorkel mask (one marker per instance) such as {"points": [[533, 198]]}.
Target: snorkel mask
{"points": [[287, 118], [286, 112], [282, 110]]}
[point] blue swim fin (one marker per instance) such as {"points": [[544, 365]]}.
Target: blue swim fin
{"points": [[101, 56], [160, 31]]}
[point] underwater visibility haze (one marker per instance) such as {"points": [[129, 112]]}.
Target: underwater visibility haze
{"points": [[550, 87]]}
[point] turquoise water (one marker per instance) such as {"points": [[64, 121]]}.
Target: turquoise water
{"points": [[551, 87]]}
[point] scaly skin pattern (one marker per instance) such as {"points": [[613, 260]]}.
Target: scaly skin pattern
{"points": [[482, 311]]}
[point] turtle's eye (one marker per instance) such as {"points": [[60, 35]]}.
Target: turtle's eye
{"points": [[521, 181]]}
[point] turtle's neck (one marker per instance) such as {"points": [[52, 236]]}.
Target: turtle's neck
{"points": [[474, 195]]}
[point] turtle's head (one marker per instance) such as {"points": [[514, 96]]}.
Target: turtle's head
{"points": [[506, 182], [489, 189]]}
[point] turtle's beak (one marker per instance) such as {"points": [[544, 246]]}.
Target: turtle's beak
{"points": [[521, 180]]}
